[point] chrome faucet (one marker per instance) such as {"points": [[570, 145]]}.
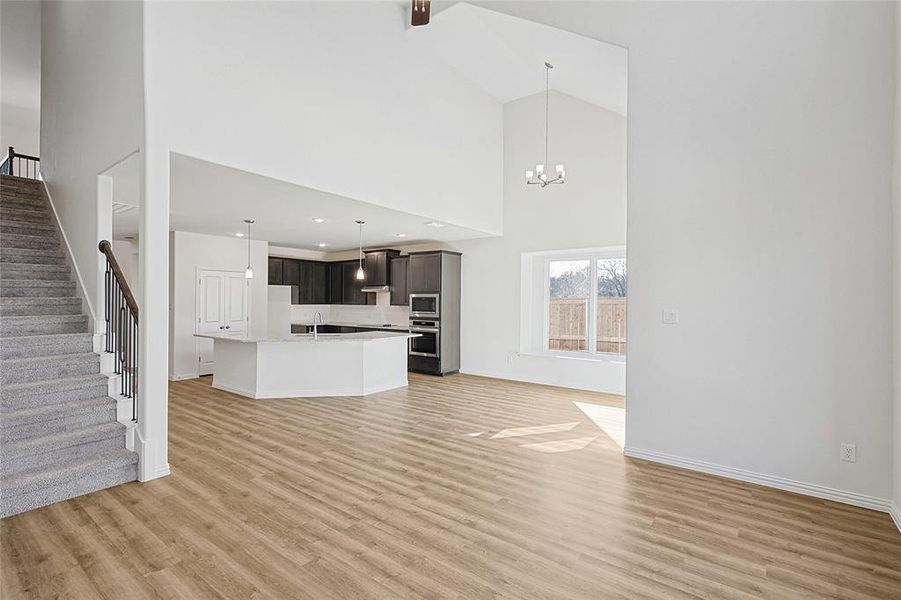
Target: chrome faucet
{"points": [[315, 331]]}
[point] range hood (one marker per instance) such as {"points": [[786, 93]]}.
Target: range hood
{"points": [[376, 288]]}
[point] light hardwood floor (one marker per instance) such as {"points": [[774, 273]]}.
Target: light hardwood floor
{"points": [[435, 491]]}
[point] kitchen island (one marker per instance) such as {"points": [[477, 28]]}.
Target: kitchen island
{"points": [[304, 365]]}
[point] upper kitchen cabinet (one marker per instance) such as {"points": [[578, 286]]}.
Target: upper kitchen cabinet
{"points": [[352, 288], [378, 267], [275, 271], [424, 273], [398, 270], [335, 283], [291, 272], [312, 286]]}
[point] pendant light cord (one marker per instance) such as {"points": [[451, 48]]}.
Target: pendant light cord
{"points": [[360, 223], [547, 87]]}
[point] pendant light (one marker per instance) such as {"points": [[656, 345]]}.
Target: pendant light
{"points": [[539, 176], [361, 274], [248, 272]]}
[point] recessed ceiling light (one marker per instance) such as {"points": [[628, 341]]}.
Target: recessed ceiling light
{"points": [[434, 224], [401, 235], [322, 244], [239, 234], [318, 220]]}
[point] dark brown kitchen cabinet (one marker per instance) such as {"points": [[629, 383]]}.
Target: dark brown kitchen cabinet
{"points": [[398, 269], [378, 267], [424, 273], [313, 283], [291, 272], [351, 287], [275, 271], [335, 283]]}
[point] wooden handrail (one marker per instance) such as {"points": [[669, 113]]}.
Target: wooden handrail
{"points": [[13, 154], [107, 249]]}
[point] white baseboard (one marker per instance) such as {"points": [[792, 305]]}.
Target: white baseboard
{"points": [[781, 483], [505, 376], [183, 376], [895, 512]]}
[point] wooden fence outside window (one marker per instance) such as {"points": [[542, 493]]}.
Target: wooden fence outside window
{"points": [[568, 327]]}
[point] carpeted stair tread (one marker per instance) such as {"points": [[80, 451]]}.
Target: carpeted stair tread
{"points": [[56, 441], [15, 326], [10, 270], [19, 240], [36, 228], [55, 344], [27, 306], [56, 385], [65, 471], [15, 418], [38, 340], [47, 368]]}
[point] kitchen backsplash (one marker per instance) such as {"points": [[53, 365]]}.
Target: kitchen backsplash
{"points": [[383, 312]]}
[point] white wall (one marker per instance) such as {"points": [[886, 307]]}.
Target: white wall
{"points": [[189, 252], [588, 211], [326, 95], [760, 157], [126, 252], [92, 113], [20, 74]]}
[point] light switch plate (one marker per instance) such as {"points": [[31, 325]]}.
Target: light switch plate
{"points": [[670, 316]]}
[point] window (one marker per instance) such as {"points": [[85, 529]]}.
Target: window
{"points": [[579, 320]]}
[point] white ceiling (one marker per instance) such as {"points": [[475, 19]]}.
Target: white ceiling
{"points": [[505, 56], [209, 198]]}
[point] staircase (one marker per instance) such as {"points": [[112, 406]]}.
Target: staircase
{"points": [[59, 437]]}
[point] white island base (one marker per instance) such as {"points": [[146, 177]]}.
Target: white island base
{"points": [[299, 366]]}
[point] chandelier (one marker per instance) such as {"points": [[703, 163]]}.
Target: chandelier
{"points": [[538, 175]]}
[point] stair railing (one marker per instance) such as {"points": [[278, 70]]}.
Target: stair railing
{"points": [[121, 315], [13, 163]]}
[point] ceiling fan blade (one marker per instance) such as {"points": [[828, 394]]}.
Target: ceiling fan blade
{"points": [[421, 12]]}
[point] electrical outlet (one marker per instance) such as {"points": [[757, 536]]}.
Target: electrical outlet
{"points": [[670, 316], [849, 452]]}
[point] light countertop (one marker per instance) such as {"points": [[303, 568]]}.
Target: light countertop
{"points": [[363, 336], [393, 326]]}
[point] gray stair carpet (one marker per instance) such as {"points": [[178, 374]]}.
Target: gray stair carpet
{"points": [[59, 437]]}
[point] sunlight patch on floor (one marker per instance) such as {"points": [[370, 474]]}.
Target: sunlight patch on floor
{"points": [[610, 419], [560, 445], [534, 430]]}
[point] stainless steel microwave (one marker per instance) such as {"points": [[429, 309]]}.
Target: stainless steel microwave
{"points": [[425, 305]]}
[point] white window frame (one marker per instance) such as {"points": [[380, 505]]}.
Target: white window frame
{"points": [[593, 257]]}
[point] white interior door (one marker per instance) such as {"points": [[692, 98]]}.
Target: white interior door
{"points": [[236, 286], [221, 307]]}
